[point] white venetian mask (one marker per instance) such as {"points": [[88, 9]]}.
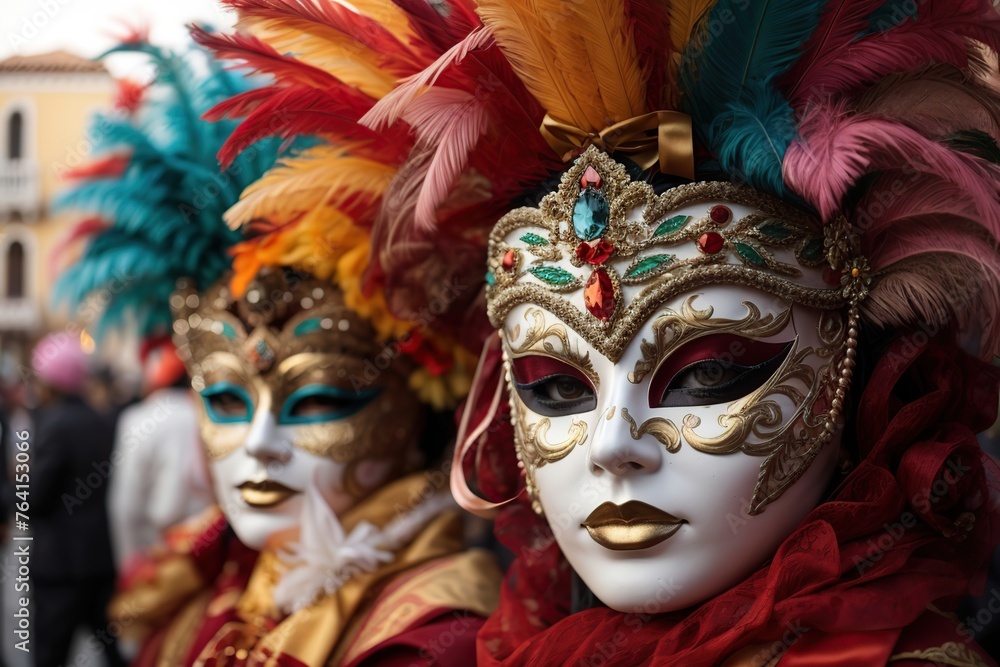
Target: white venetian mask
{"points": [[287, 402], [676, 370]]}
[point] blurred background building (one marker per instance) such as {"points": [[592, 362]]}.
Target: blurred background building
{"points": [[46, 101]]}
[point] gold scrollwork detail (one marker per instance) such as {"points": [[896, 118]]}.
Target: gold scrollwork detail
{"points": [[532, 448], [537, 340], [788, 445], [658, 427], [673, 329], [550, 452], [949, 653]]}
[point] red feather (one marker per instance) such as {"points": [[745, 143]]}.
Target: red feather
{"points": [[941, 35], [129, 95], [86, 228], [299, 110], [262, 58], [839, 26], [440, 29], [336, 16], [651, 29], [111, 166]]}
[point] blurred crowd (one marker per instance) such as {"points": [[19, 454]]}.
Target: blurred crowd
{"points": [[111, 467]]}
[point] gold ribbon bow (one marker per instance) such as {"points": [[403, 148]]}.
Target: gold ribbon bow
{"points": [[660, 136]]}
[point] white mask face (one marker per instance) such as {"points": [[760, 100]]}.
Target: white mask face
{"points": [[263, 459], [289, 402], [653, 471], [677, 365]]}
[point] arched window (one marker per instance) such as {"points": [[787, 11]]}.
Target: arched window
{"points": [[15, 270], [15, 136]]}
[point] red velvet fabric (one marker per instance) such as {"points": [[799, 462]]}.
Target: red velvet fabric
{"points": [[913, 524]]}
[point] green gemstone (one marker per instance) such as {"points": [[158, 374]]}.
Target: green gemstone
{"points": [[533, 239], [750, 254], [490, 278], [650, 265], [671, 225], [775, 229], [813, 251], [590, 215], [552, 275]]}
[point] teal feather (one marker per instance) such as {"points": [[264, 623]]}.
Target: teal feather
{"points": [[745, 120], [890, 15], [165, 209]]}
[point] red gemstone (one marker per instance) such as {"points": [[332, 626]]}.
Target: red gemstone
{"points": [[832, 276], [720, 214], [509, 260], [594, 252], [599, 295], [590, 178], [711, 242]]}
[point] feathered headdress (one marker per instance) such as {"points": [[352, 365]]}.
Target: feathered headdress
{"points": [[875, 110], [876, 116], [155, 194], [331, 64]]}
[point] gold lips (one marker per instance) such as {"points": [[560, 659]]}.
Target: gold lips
{"points": [[629, 527], [265, 494]]}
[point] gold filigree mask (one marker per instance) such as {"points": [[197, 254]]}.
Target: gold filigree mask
{"points": [[691, 353], [293, 392]]}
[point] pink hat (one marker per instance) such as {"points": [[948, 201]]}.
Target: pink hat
{"points": [[60, 362]]}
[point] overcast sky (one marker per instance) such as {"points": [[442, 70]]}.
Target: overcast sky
{"points": [[88, 27]]}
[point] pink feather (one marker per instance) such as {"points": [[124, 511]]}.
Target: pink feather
{"points": [[925, 239], [941, 35], [938, 101], [391, 107], [835, 150], [452, 121]]}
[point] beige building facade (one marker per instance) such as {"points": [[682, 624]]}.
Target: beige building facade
{"points": [[46, 104]]}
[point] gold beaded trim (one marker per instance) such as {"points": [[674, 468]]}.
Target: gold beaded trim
{"points": [[750, 240]]}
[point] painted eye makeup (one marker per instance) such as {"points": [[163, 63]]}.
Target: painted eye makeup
{"points": [[552, 388], [715, 369], [227, 403], [323, 403]]}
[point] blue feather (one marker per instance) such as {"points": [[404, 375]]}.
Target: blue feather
{"points": [[165, 210], [890, 15], [745, 120]]}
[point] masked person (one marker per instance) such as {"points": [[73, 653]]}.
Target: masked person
{"points": [[329, 545], [730, 246]]}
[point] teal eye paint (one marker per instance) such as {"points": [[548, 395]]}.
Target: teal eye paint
{"points": [[227, 388], [348, 403]]}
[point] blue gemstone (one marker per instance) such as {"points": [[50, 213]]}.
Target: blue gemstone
{"points": [[590, 215]]}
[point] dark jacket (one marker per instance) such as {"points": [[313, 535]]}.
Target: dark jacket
{"points": [[70, 467]]}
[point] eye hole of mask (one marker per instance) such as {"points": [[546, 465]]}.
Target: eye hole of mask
{"points": [[552, 388], [715, 369], [227, 403], [321, 403]]}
